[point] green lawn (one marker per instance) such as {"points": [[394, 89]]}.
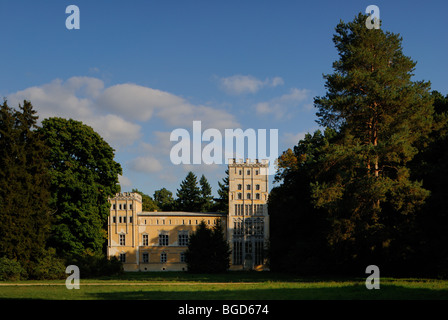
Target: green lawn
{"points": [[231, 286]]}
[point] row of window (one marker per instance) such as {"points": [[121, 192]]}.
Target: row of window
{"points": [[253, 252], [249, 209], [248, 227], [145, 257], [121, 206], [248, 196], [248, 172], [248, 187], [182, 239], [123, 219]]}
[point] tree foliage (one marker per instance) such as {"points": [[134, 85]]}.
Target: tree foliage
{"points": [[381, 115], [353, 196], [25, 213], [222, 203], [189, 194], [148, 204], [83, 176], [206, 195], [208, 251], [164, 199]]}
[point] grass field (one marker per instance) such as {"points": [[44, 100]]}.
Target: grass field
{"points": [[230, 286]]}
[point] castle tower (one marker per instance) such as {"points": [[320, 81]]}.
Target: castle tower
{"points": [[248, 220], [123, 228]]}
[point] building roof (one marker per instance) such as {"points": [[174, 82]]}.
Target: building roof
{"points": [[182, 213]]}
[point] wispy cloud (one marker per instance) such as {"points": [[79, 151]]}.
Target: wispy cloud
{"points": [[117, 112], [146, 164], [283, 106], [243, 84]]}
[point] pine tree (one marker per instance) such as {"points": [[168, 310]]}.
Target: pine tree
{"points": [[208, 251], [24, 187], [206, 195], [220, 261], [189, 195], [381, 115], [223, 192]]}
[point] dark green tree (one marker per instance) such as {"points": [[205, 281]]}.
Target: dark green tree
{"points": [[208, 251], [25, 214], [431, 166], [381, 115], [84, 175], [206, 195], [189, 194], [164, 200], [300, 245], [148, 204], [223, 193]]}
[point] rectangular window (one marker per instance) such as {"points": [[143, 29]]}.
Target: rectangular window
{"points": [[257, 187], [124, 219], [130, 206], [145, 257], [257, 196], [122, 239], [124, 206], [145, 240], [237, 252], [240, 187], [248, 172], [248, 187], [114, 219], [248, 196], [114, 206], [122, 257], [163, 239], [240, 196], [182, 257], [256, 172], [163, 257], [119, 219], [183, 238]]}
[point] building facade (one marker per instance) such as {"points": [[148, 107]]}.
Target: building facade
{"points": [[157, 241]]}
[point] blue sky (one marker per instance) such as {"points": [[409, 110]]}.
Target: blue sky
{"points": [[137, 70]]}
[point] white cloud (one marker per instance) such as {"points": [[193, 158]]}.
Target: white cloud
{"points": [[124, 181], [76, 99], [136, 102], [114, 111], [292, 139], [242, 84], [282, 106], [146, 164], [142, 103], [113, 128]]}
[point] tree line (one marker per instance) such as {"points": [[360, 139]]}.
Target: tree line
{"points": [[55, 182], [192, 196], [371, 187]]}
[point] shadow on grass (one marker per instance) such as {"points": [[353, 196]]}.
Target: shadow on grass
{"points": [[349, 292]]}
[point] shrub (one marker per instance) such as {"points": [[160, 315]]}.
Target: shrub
{"points": [[49, 267], [11, 270], [96, 265]]}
